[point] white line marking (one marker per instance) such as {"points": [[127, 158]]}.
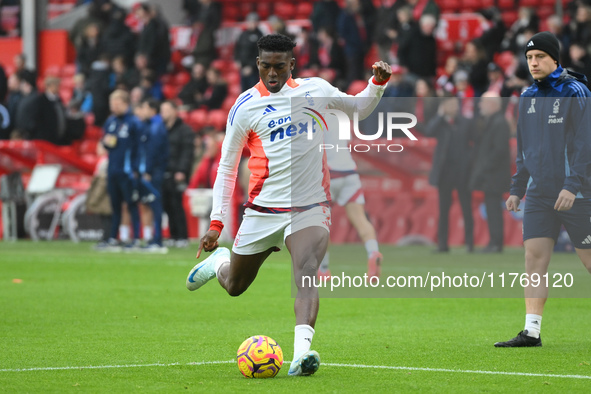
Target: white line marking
{"points": [[543, 375], [114, 366]]}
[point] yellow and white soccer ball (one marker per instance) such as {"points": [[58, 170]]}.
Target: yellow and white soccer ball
{"points": [[259, 357]]}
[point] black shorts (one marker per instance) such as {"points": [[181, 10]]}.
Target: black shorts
{"points": [[541, 220]]}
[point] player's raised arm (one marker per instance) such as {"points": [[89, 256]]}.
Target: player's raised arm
{"points": [[368, 99]]}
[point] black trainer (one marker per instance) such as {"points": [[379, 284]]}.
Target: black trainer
{"points": [[521, 340]]}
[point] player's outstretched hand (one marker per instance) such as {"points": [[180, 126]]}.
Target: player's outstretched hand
{"points": [[208, 242], [513, 203], [381, 71], [565, 200]]}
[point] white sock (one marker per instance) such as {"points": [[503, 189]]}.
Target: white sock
{"points": [[302, 340], [324, 263], [218, 264], [147, 233], [533, 325], [371, 246], [124, 233]]}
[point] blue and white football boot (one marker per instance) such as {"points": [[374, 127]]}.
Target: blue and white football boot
{"points": [[204, 271]]}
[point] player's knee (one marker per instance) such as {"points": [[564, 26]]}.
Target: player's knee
{"points": [[534, 258], [235, 288]]}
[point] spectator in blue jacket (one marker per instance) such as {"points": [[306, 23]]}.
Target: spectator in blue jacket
{"points": [[122, 132], [153, 160], [553, 169]]}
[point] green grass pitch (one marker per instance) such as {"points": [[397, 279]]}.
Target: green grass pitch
{"points": [[131, 317]]}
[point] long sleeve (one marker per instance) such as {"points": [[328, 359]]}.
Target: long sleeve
{"points": [[521, 177], [579, 161], [236, 136], [363, 102]]}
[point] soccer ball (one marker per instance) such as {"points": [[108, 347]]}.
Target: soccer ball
{"points": [[259, 357]]}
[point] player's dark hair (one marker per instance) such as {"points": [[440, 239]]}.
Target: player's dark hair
{"points": [[152, 103], [275, 43]]}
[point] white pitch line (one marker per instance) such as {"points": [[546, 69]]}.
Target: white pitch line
{"points": [[114, 366], [544, 375]]}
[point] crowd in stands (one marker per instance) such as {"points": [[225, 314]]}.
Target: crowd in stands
{"points": [[131, 50], [117, 48]]}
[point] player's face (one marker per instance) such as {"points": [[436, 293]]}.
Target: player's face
{"points": [[275, 69], [118, 106], [540, 64], [167, 112]]}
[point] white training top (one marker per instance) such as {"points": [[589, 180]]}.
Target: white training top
{"points": [[287, 168]]}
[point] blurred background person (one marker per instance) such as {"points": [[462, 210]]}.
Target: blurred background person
{"points": [[153, 40], [176, 177], [451, 168], [216, 92], [491, 168], [417, 51], [246, 52], [196, 86], [153, 154], [97, 197], [354, 29], [121, 135]]}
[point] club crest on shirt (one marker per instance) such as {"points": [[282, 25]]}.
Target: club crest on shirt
{"points": [[123, 131], [556, 107], [532, 108]]}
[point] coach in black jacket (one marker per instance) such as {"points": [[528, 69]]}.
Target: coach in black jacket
{"points": [[50, 121], [178, 171], [451, 167], [491, 172]]}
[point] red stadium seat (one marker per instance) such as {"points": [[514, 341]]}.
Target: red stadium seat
{"points": [[506, 4], [170, 91], [509, 17], [66, 95], [224, 65], [544, 13], [230, 12], [264, 10], [529, 3], [217, 118], [356, 87], [184, 115], [67, 83], [8, 69], [228, 103], [197, 119], [52, 71], [89, 119], [93, 132], [234, 90], [88, 147], [181, 78], [245, 9], [504, 59], [233, 78], [328, 74], [449, 5], [306, 73], [304, 10], [471, 5], [285, 10], [425, 216], [68, 70]]}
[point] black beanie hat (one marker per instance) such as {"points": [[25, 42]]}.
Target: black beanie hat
{"points": [[545, 41]]}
